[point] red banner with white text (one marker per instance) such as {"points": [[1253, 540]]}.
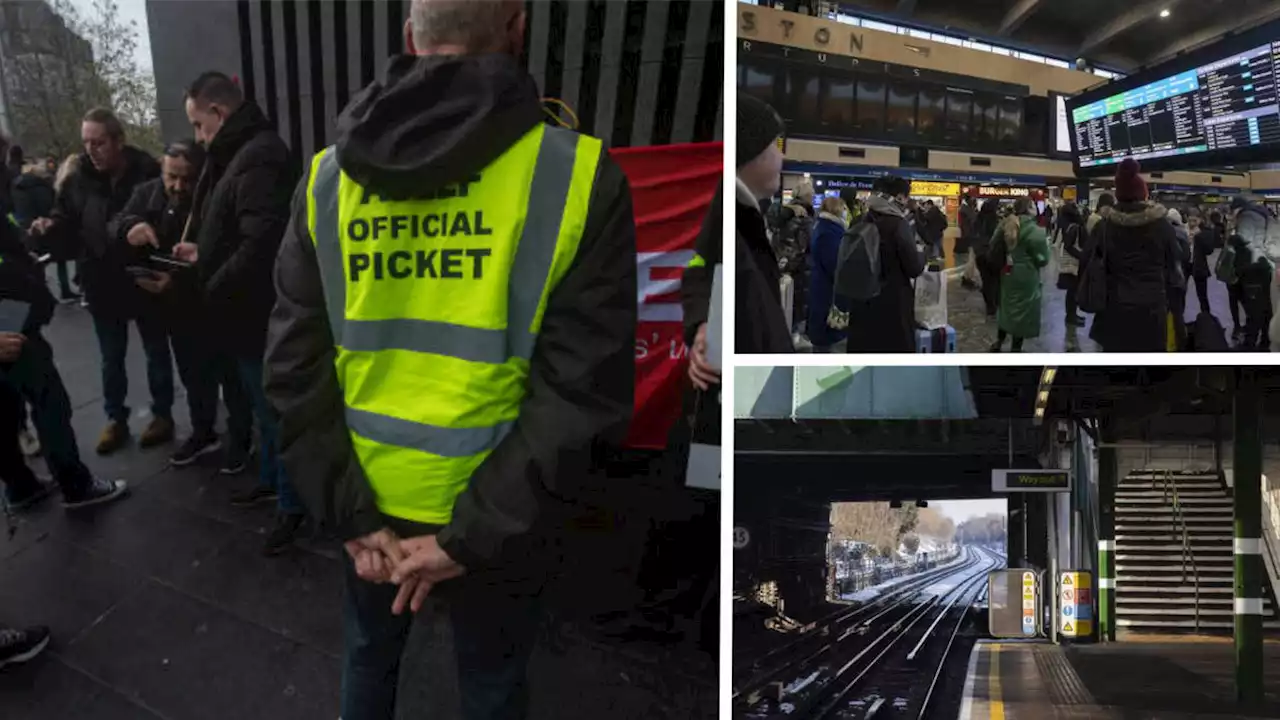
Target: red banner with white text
{"points": [[672, 187]]}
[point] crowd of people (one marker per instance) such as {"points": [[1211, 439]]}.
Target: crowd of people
{"points": [[436, 411], [1130, 262]]}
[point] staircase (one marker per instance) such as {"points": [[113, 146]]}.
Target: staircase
{"points": [[1174, 545]]}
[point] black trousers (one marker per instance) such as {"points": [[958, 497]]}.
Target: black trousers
{"points": [[1235, 298], [990, 284], [1202, 293], [33, 378]]}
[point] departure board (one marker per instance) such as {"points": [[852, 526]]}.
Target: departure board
{"points": [[1225, 105]]}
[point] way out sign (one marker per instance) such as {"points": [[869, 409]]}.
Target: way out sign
{"points": [[1033, 480], [1075, 604]]}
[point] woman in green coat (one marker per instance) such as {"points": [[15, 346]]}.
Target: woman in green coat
{"points": [[1022, 244]]}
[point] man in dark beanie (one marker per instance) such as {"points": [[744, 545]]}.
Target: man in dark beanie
{"points": [[1142, 267], [760, 325]]}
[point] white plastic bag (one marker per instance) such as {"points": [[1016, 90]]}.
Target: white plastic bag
{"points": [[971, 270], [1049, 274], [931, 300]]}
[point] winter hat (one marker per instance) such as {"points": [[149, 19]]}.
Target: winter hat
{"points": [[1175, 217], [758, 127], [1130, 187]]}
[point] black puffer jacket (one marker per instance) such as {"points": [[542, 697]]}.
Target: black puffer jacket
{"points": [[85, 206], [151, 204], [434, 121], [33, 197], [239, 214], [1142, 259], [21, 280]]}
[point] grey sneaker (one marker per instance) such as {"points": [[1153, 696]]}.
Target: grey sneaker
{"points": [[99, 492]]}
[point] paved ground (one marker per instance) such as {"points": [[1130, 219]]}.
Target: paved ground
{"points": [[975, 333], [1113, 681], [161, 606]]}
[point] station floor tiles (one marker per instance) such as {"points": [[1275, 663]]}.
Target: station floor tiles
{"points": [[1156, 679], [161, 606], [975, 332]]}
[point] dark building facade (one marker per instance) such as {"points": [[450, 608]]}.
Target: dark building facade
{"points": [[635, 72]]}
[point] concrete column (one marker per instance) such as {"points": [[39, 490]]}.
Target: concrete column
{"points": [[1108, 468], [1247, 449]]}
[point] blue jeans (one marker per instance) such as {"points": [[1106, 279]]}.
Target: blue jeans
{"points": [[271, 470], [113, 341], [495, 626]]}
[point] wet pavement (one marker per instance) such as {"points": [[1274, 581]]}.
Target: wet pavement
{"points": [[161, 606]]}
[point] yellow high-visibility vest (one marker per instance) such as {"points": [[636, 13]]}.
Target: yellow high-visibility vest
{"points": [[435, 305]]}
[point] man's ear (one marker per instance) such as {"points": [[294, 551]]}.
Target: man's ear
{"points": [[409, 49]]}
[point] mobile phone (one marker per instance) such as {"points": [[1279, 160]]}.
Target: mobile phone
{"points": [[13, 315], [141, 272]]}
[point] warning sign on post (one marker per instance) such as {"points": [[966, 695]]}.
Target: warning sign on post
{"points": [[1015, 603], [1075, 617]]}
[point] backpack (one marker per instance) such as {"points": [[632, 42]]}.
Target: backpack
{"points": [[859, 274], [1091, 293], [1225, 270]]}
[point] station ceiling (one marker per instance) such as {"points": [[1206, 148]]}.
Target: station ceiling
{"points": [[1121, 35]]}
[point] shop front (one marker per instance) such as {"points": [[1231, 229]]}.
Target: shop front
{"points": [[946, 195]]}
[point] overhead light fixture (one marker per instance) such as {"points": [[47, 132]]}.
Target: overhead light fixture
{"points": [[1164, 13]]}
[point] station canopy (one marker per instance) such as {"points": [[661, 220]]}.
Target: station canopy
{"points": [[1119, 35]]}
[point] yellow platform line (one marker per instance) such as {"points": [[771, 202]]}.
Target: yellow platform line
{"points": [[996, 702]]}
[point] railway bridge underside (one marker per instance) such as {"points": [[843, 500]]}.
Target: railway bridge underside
{"points": [[788, 474]]}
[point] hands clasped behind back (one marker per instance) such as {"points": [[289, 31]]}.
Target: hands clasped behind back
{"points": [[415, 564]]}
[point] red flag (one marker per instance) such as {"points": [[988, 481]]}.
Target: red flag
{"points": [[672, 187]]}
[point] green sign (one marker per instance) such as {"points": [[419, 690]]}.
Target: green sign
{"points": [[1031, 480]]}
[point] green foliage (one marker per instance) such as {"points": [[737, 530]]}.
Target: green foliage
{"points": [[55, 76], [884, 527]]}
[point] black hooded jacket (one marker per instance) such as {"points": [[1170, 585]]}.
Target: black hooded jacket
{"points": [[435, 121], [85, 206], [238, 215]]}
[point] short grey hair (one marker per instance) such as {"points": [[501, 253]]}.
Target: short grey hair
{"points": [[471, 24]]}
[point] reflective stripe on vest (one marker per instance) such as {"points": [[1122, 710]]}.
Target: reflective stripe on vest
{"points": [[435, 306]]}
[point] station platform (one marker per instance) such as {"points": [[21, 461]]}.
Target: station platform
{"points": [[161, 605], [1156, 678]]}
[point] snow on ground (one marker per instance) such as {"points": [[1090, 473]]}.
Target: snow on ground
{"points": [[873, 592], [800, 684]]}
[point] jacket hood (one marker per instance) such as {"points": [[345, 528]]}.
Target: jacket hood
{"points": [[435, 121], [248, 120], [1134, 214], [824, 215], [800, 209], [29, 180], [884, 206]]}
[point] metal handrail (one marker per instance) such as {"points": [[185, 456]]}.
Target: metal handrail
{"points": [[1269, 527], [1171, 494]]}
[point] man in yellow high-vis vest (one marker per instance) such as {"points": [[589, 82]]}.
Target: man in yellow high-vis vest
{"points": [[454, 331]]}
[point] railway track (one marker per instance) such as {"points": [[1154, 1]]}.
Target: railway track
{"points": [[753, 675], [886, 660]]}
